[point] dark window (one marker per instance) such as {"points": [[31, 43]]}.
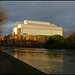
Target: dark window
{"points": [[25, 33], [14, 32]]}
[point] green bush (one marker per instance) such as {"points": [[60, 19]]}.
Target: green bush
{"points": [[57, 42]]}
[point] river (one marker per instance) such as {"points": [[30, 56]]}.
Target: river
{"points": [[45, 60]]}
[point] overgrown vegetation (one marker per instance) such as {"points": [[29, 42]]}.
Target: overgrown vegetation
{"points": [[61, 42], [56, 41], [71, 39]]}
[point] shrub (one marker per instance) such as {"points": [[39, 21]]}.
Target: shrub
{"points": [[56, 41], [71, 39]]}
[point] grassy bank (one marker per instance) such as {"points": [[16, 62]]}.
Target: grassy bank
{"points": [[20, 67]]}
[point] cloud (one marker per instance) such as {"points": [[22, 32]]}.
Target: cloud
{"points": [[59, 13]]}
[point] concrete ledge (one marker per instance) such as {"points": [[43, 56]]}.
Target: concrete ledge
{"points": [[20, 67]]}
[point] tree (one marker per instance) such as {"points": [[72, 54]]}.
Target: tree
{"points": [[3, 17], [56, 41], [71, 39]]}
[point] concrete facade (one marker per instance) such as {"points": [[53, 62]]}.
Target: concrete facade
{"points": [[30, 27]]}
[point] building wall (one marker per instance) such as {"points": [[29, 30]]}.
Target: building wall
{"points": [[40, 30], [14, 30], [36, 28], [36, 32], [56, 32], [17, 24], [36, 22]]}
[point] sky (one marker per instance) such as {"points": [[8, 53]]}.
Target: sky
{"points": [[60, 13]]}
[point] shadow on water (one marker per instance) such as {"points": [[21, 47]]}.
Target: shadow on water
{"points": [[48, 61]]}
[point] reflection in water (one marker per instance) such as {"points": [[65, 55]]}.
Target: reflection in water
{"points": [[48, 61], [40, 59]]}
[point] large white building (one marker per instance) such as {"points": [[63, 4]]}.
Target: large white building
{"points": [[30, 27]]}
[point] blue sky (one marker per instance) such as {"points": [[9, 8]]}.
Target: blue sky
{"points": [[60, 13]]}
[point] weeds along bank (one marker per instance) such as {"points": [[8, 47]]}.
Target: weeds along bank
{"points": [[61, 42]]}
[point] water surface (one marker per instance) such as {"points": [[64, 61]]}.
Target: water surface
{"points": [[48, 61]]}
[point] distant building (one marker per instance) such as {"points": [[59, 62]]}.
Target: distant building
{"points": [[30, 27]]}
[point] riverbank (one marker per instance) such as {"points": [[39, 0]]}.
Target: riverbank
{"points": [[11, 65], [41, 45]]}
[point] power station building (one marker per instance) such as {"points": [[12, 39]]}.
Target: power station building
{"points": [[30, 27]]}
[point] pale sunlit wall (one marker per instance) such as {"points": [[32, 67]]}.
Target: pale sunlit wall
{"points": [[40, 30], [36, 22], [19, 26], [15, 30]]}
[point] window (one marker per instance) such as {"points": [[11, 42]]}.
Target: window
{"points": [[25, 33], [14, 32]]}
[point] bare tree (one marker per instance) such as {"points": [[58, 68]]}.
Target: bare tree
{"points": [[3, 17]]}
